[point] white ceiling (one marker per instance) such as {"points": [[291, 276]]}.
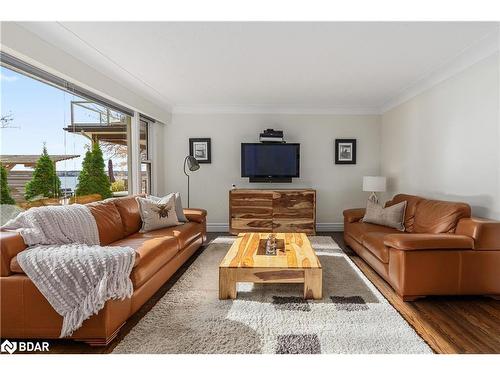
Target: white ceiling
{"points": [[267, 65]]}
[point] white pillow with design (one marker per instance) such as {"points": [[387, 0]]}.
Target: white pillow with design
{"points": [[157, 214], [178, 205]]}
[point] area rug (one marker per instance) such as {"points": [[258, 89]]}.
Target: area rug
{"points": [[352, 317]]}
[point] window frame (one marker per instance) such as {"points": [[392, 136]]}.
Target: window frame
{"points": [[148, 161]]}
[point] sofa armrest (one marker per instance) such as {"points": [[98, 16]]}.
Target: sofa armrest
{"points": [[11, 243], [485, 232], [354, 214], [195, 214], [426, 241]]}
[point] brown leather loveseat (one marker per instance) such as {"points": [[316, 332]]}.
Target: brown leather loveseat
{"points": [[443, 251], [25, 313]]}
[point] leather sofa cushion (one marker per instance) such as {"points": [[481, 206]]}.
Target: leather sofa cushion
{"points": [[358, 230], [153, 253], [109, 221], [411, 208], [181, 235], [435, 217], [128, 209], [374, 242], [185, 233]]}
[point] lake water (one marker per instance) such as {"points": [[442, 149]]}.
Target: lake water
{"points": [[69, 182]]}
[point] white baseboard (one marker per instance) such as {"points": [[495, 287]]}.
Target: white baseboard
{"points": [[320, 227], [217, 227], [329, 227]]}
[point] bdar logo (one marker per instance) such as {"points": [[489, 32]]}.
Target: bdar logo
{"points": [[24, 346], [9, 347]]}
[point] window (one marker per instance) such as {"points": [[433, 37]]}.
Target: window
{"points": [[42, 123], [145, 157], [109, 129]]}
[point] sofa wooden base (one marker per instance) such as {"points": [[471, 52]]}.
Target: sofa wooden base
{"points": [[103, 341], [496, 297], [411, 298]]}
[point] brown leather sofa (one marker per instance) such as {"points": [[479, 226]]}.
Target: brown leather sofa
{"points": [[25, 313], [443, 251]]}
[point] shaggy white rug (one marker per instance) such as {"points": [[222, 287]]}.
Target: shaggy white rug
{"points": [[353, 316]]}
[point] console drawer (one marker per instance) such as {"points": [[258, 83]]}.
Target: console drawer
{"points": [[294, 225], [251, 225]]}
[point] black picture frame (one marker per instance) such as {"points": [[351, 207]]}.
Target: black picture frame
{"points": [[198, 146], [348, 157]]}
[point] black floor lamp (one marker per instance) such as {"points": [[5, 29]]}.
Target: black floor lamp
{"points": [[192, 165]]}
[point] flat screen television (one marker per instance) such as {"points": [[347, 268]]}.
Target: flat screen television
{"points": [[270, 162]]}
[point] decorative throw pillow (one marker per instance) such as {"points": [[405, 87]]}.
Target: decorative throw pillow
{"points": [[157, 214], [178, 205], [392, 216]]}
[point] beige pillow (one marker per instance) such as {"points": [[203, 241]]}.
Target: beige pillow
{"points": [[156, 214], [392, 216]]}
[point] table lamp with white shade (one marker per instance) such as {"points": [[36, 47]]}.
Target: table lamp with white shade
{"points": [[374, 184]]}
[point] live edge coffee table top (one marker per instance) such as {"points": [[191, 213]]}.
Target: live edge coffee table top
{"points": [[294, 251]]}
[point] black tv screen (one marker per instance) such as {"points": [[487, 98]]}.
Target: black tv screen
{"points": [[270, 160]]}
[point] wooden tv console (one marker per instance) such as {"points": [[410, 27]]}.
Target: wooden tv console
{"points": [[272, 210]]}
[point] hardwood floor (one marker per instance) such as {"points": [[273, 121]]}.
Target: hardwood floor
{"points": [[450, 324], [447, 324]]}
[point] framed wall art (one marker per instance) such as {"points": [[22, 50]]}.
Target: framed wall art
{"points": [[345, 151], [200, 149]]}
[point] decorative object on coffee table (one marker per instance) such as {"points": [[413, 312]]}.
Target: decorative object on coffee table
{"points": [[192, 165], [374, 184], [245, 262], [345, 151], [201, 150]]}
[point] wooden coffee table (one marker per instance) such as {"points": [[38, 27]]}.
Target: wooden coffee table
{"points": [[294, 262]]}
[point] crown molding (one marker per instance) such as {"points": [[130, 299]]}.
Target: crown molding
{"points": [[485, 47], [206, 109]]}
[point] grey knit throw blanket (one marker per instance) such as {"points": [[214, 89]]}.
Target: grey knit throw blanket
{"points": [[66, 263]]}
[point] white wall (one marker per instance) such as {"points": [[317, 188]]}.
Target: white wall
{"points": [[338, 186], [445, 142]]}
